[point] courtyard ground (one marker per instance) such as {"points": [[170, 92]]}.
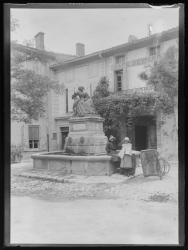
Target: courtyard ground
{"points": [[92, 210]]}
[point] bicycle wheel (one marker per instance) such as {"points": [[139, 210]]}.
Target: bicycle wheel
{"points": [[164, 166]]}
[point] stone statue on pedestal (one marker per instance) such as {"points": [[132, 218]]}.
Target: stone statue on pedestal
{"points": [[83, 105]]}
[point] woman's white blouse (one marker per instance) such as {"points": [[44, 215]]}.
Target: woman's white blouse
{"points": [[126, 149]]}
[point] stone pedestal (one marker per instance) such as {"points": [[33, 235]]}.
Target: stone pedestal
{"points": [[86, 136], [85, 152]]}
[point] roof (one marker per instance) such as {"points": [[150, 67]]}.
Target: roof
{"points": [[139, 43], [58, 57]]}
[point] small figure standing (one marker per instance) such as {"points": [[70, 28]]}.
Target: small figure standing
{"points": [[126, 148], [128, 163]]}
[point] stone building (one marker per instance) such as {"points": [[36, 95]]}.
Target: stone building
{"points": [[121, 65], [34, 137]]}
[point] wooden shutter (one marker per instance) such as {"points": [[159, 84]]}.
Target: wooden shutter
{"points": [[33, 132]]}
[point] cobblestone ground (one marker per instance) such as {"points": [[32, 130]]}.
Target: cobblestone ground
{"points": [[137, 188]]}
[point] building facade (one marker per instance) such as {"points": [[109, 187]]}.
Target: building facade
{"points": [[121, 65]]}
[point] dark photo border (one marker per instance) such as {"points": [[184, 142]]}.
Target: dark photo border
{"points": [[6, 170]]}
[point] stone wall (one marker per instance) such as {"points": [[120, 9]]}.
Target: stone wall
{"points": [[167, 137]]}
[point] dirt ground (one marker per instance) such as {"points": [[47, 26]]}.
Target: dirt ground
{"points": [[94, 210]]}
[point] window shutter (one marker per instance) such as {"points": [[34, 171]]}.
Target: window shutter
{"points": [[33, 133]]}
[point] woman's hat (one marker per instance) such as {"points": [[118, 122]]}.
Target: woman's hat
{"points": [[126, 139]]}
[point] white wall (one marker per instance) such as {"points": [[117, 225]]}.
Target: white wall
{"points": [[133, 79], [16, 136], [89, 74], [167, 139], [19, 130]]}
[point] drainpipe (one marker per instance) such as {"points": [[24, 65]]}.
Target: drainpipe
{"points": [[48, 146]]}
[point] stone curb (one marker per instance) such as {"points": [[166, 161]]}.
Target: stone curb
{"points": [[44, 178], [61, 180]]}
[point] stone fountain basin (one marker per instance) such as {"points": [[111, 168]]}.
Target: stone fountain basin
{"points": [[89, 165]]}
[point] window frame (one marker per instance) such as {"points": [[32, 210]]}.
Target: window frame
{"points": [[119, 59], [33, 142], [117, 85], [156, 50]]}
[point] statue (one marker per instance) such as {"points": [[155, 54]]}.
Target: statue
{"points": [[83, 104]]}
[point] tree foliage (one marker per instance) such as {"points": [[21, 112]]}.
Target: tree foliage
{"points": [[29, 88], [102, 89], [163, 75], [111, 124], [116, 108], [14, 24]]}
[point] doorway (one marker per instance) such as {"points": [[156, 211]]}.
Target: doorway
{"points": [[140, 137], [64, 134]]}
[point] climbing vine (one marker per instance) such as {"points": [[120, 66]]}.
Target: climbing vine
{"points": [[113, 108]]}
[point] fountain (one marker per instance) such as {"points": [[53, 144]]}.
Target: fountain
{"points": [[84, 152]]}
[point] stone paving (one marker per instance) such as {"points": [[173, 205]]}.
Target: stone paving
{"points": [[52, 185]]}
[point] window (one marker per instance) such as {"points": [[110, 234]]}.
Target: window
{"points": [[154, 51], [54, 136], [33, 136], [120, 59], [119, 78]]}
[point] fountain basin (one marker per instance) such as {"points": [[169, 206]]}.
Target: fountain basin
{"points": [[88, 165]]}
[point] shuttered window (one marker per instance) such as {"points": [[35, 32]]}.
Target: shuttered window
{"points": [[154, 50], [119, 79], [33, 136]]}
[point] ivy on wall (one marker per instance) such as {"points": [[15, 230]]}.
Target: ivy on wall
{"points": [[113, 108]]}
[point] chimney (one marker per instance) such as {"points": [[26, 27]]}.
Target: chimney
{"points": [[39, 41], [149, 29], [80, 49], [132, 38]]}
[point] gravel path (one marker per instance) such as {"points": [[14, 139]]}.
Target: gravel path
{"points": [[93, 210], [115, 186]]}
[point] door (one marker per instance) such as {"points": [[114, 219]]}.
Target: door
{"points": [[63, 137], [140, 137], [64, 134]]}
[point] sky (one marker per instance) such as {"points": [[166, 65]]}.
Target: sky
{"points": [[98, 29]]}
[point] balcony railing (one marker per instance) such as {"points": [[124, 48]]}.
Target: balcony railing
{"points": [[148, 89], [143, 61], [140, 61]]}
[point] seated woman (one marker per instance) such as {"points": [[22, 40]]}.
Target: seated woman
{"points": [[111, 149], [82, 103]]}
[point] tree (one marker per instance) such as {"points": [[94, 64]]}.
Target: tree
{"points": [[102, 89], [111, 123], [28, 88], [164, 77], [14, 24], [29, 43]]}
